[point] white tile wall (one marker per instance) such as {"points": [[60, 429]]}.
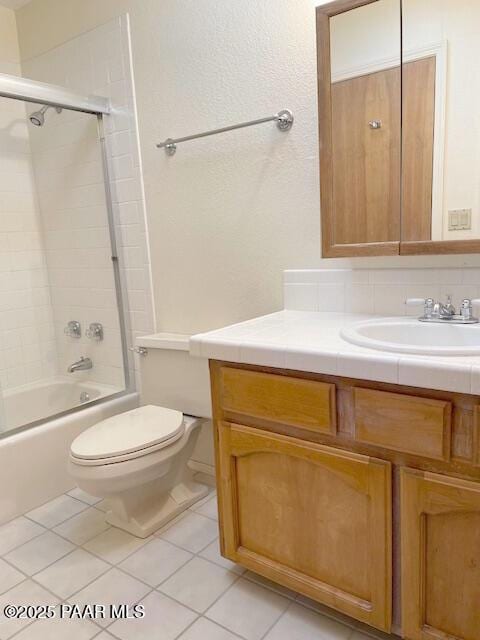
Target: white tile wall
{"points": [[27, 342], [377, 291], [75, 227], [76, 234]]}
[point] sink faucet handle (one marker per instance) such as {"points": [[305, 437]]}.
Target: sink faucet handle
{"points": [[466, 308], [428, 305]]}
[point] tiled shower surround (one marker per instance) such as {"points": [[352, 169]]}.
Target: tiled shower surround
{"points": [[376, 291], [96, 62], [70, 186], [61, 270], [27, 340]]}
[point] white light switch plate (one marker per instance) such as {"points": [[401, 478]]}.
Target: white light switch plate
{"points": [[460, 220]]}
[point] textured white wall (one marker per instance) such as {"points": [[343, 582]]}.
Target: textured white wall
{"points": [[227, 214], [71, 195]]}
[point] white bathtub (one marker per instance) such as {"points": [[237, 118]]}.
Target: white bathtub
{"points": [[41, 400], [33, 463]]}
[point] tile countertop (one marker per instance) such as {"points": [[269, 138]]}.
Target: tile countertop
{"points": [[310, 341]]}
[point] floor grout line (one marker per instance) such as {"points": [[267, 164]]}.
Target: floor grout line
{"points": [[277, 620], [157, 589], [218, 624], [116, 566], [30, 540], [125, 572], [110, 564]]}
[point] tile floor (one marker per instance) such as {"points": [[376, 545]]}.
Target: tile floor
{"points": [[64, 552]]}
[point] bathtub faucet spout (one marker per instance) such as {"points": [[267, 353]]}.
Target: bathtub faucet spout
{"points": [[81, 365]]}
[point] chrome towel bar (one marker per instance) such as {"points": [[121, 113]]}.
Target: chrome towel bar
{"points": [[283, 118]]}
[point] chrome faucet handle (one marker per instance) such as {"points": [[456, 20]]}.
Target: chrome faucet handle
{"points": [[73, 329], [466, 309], [445, 313], [95, 331], [428, 304]]}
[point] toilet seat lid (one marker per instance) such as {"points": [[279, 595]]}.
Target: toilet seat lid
{"points": [[128, 432]]}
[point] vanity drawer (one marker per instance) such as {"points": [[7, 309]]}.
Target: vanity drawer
{"points": [[307, 404], [419, 426]]}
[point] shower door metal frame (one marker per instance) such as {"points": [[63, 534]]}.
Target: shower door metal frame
{"points": [[114, 249], [41, 93]]}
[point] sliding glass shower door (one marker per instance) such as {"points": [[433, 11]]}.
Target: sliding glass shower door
{"points": [[62, 341]]}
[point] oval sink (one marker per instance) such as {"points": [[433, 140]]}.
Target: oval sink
{"points": [[411, 336]]}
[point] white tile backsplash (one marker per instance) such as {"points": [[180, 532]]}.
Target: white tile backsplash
{"points": [[375, 291], [300, 296]]}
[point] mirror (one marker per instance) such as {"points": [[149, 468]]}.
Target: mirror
{"points": [[365, 71], [441, 126], [399, 126], [360, 127]]}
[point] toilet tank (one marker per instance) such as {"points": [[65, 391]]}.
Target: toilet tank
{"points": [[171, 377]]}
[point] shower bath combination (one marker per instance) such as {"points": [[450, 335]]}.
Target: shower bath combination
{"points": [[37, 118], [67, 214]]}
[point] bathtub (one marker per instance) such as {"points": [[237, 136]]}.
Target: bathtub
{"points": [[33, 462], [40, 400]]}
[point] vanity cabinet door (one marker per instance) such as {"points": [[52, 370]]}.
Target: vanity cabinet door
{"points": [[440, 557], [313, 518]]}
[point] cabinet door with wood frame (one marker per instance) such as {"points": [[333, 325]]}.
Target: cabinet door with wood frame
{"points": [[440, 534], [313, 518]]}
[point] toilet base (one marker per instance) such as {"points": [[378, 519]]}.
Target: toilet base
{"points": [[145, 492], [142, 522]]}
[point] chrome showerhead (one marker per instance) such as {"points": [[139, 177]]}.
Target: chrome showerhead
{"points": [[38, 117]]}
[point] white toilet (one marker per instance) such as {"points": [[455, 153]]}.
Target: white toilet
{"points": [[138, 460]]}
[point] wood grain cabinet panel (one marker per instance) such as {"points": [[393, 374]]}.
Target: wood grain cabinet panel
{"points": [[307, 404], [476, 436], [303, 502], [440, 557], [313, 518], [419, 426]]}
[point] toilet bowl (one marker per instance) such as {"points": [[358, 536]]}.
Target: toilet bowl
{"points": [[138, 460]]}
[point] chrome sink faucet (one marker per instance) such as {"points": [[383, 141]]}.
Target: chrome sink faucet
{"points": [[81, 365], [445, 312]]}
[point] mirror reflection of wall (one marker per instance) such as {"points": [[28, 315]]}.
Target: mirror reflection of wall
{"points": [[366, 123], [443, 105]]}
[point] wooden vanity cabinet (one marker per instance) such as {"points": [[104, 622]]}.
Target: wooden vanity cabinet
{"points": [[314, 518], [440, 566], [305, 469]]}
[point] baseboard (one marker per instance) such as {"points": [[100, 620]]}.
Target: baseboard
{"points": [[204, 473]]}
